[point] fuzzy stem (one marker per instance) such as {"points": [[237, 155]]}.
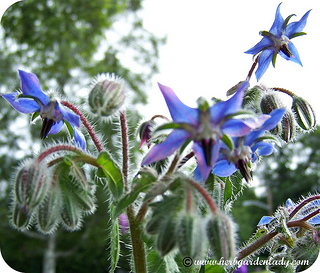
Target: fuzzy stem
{"points": [[85, 123], [138, 249], [205, 195], [256, 245], [125, 148], [291, 94], [252, 68], [62, 147]]}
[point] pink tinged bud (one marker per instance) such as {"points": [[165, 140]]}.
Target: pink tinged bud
{"points": [[145, 133], [31, 184], [107, 96], [288, 127], [221, 236], [21, 216]]}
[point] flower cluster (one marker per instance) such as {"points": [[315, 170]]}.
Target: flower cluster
{"points": [[221, 141]]}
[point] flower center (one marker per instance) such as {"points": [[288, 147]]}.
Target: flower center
{"points": [[50, 115]]}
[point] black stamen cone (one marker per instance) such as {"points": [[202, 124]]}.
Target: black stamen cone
{"points": [[245, 171], [286, 50], [207, 145], [46, 126]]}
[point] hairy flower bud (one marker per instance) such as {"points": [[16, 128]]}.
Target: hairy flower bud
{"points": [[304, 113], [167, 237], [70, 212], [48, 211], [221, 236], [190, 239], [107, 96], [21, 216], [31, 184], [288, 127]]}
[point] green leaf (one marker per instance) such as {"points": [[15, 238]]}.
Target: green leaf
{"points": [[298, 34], [228, 141], [214, 269], [69, 127], [35, 115], [114, 245], [110, 170], [167, 126], [227, 191]]}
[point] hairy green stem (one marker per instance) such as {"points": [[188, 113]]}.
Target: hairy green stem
{"points": [[138, 248]]}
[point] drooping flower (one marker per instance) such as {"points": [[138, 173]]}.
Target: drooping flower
{"points": [[303, 212], [205, 126], [247, 149], [33, 100], [278, 41]]}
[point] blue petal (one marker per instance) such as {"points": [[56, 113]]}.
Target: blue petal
{"points": [[296, 27], [178, 110], [277, 26], [263, 149], [265, 220], [264, 43], [22, 105], [314, 220], [264, 61], [289, 203], [276, 116], [231, 106], [295, 54], [56, 128], [235, 127], [166, 148], [223, 168], [30, 86], [203, 167], [79, 139], [70, 117]]}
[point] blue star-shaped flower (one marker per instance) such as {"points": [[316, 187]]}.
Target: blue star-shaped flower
{"points": [[247, 149], [32, 99], [205, 127], [278, 41]]}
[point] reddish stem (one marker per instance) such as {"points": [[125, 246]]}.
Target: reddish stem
{"points": [[85, 123]]}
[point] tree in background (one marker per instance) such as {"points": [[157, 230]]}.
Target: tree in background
{"points": [[67, 43]]}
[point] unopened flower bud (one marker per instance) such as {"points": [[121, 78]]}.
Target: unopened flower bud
{"points": [[304, 113], [221, 236], [48, 211], [107, 96], [288, 127], [167, 237], [269, 103], [31, 184], [21, 216], [70, 212], [145, 130], [190, 239]]}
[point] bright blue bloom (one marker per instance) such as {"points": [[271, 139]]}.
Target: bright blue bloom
{"points": [[205, 127], [247, 148], [278, 41], [32, 99]]}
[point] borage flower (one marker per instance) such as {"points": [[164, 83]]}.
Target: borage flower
{"points": [[205, 126], [247, 149], [278, 41], [33, 100]]}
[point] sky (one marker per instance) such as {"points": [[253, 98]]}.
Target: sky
{"points": [[204, 54]]}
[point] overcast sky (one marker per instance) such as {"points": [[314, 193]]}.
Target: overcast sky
{"points": [[204, 54]]}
